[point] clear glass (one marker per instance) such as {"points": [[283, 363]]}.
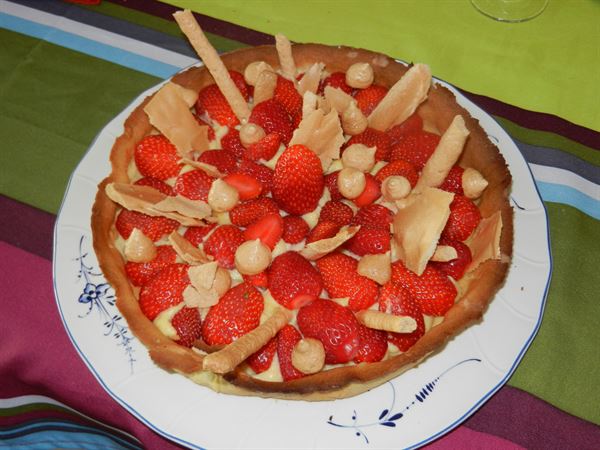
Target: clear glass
{"points": [[510, 10]]}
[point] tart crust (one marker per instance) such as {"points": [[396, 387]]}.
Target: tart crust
{"points": [[477, 288]]}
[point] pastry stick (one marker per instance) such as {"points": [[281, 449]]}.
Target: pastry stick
{"points": [[186, 21], [286, 60], [228, 358], [387, 322]]}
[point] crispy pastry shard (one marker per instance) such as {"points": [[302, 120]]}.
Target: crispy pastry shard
{"points": [[484, 243], [402, 99], [286, 59], [445, 155], [317, 249], [227, 359], [311, 79], [169, 112], [215, 66], [337, 98], [208, 168], [387, 322], [186, 250], [265, 86], [201, 292], [418, 225]]}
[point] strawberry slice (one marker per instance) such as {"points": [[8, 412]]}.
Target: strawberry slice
{"points": [[334, 325], [196, 235], [232, 143], [156, 157], [289, 97], [367, 99], [153, 227], [140, 273], [371, 192], [273, 118], [295, 229], [164, 290], [298, 180], [464, 218], [340, 279], [268, 229], [432, 290], [453, 181], [264, 149], [455, 268], [155, 183], [394, 299], [335, 80], [398, 168], [372, 345], [415, 148], [373, 138], [188, 326], [194, 184], [323, 230], [413, 124], [331, 184], [224, 160], [287, 338], [336, 212], [263, 358], [293, 281], [258, 171], [223, 243], [237, 313], [245, 213]]}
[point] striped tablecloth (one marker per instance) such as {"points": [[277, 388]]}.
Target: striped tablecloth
{"points": [[66, 69]]}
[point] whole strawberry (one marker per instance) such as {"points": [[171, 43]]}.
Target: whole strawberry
{"points": [[260, 172], [394, 299], [273, 118], [367, 99], [287, 338], [196, 235], [222, 244], [373, 138], [155, 183], [455, 268], [263, 358], [372, 345], [414, 124], [224, 160], [453, 181], [140, 273], [336, 212], [398, 168], [153, 227], [188, 326], [298, 180], [293, 281], [214, 104], [331, 184], [464, 218], [335, 326], [231, 142], [156, 157], [245, 213], [264, 149], [237, 313], [374, 235], [415, 148], [194, 184], [295, 229], [164, 290], [289, 97], [335, 80]]}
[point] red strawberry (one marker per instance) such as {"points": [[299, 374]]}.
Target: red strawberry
{"points": [[258, 171], [245, 213], [415, 148], [373, 138], [336, 212], [156, 157], [240, 83], [335, 80], [153, 227], [262, 359], [188, 326], [373, 216], [323, 230], [334, 325], [237, 313], [287, 94], [394, 299], [194, 184], [273, 118], [369, 241], [231, 142], [367, 99], [223, 243], [400, 168], [164, 290], [224, 160], [298, 180], [140, 273], [259, 280], [464, 218], [453, 181], [455, 268], [331, 184], [432, 290], [372, 345], [287, 338], [264, 149], [293, 281], [197, 234], [248, 187], [295, 229], [413, 124], [268, 229], [371, 192], [341, 279], [155, 183], [213, 103]]}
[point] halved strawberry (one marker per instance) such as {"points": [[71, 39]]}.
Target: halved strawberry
{"points": [[194, 184], [464, 218], [140, 273], [187, 324], [156, 157], [223, 243], [273, 118], [340, 279], [331, 184], [231, 142], [237, 313], [372, 345], [153, 227], [432, 290], [268, 229], [287, 94], [293, 281], [298, 180], [399, 168], [369, 241], [155, 183], [415, 148], [263, 358], [373, 138], [371, 192], [197, 234], [334, 325], [453, 181], [295, 229], [245, 213], [323, 230], [260, 172], [224, 160], [367, 99], [287, 338], [335, 80], [248, 187], [455, 268], [394, 299], [336, 212], [264, 149], [164, 290], [413, 124]]}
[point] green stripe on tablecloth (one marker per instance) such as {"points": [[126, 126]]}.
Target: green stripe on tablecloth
{"points": [[29, 407], [29, 134], [561, 366], [515, 63]]}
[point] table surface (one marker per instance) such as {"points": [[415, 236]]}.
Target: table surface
{"points": [[67, 69]]}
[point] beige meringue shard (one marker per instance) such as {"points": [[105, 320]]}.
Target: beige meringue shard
{"points": [[169, 112], [186, 250], [317, 249], [337, 98], [139, 248], [311, 79], [286, 59], [444, 156], [376, 267], [186, 21], [199, 298], [418, 225], [253, 71], [197, 209], [208, 168], [202, 293], [310, 103], [484, 242], [402, 99], [265, 86], [444, 253]]}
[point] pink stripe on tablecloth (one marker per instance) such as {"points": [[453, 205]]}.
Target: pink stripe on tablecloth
{"points": [[464, 438]]}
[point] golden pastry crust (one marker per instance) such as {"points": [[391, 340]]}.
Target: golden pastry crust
{"points": [[478, 287]]}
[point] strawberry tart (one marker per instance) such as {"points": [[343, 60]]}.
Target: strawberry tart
{"points": [[301, 221]]}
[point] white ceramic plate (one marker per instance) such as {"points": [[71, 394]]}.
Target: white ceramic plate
{"points": [[409, 411]]}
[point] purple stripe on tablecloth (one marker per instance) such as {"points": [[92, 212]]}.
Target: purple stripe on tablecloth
{"points": [[531, 422], [26, 227], [464, 438]]}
